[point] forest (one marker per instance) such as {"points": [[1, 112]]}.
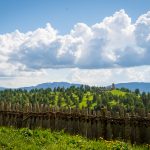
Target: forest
{"points": [[93, 98]]}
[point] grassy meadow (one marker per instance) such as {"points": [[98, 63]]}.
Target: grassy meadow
{"points": [[26, 139]]}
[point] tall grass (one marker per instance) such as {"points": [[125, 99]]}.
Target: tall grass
{"points": [[26, 139]]}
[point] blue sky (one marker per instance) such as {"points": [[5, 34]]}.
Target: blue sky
{"points": [[28, 15], [93, 42]]}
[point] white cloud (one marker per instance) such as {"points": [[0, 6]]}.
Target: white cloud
{"points": [[104, 77], [100, 77], [115, 42]]}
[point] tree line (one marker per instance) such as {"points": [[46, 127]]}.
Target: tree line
{"points": [[81, 97]]}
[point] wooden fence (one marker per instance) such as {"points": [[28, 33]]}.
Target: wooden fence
{"points": [[91, 124]]}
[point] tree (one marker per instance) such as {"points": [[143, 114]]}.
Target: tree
{"points": [[137, 91]]}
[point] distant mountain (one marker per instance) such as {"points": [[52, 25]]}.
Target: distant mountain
{"points": [[51, 85], [142, 86], [2, 88]]}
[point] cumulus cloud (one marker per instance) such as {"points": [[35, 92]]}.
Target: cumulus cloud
{"points": [[114, 42]]}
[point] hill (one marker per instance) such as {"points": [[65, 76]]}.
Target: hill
{"points": [[118, 92], [2, 88], [142, 86], [51, 85]]}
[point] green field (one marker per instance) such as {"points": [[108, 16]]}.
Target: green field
{"points": [[26, 139], [118, 93]]}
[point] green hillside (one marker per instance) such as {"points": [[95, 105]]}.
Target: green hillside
{"points": [[118, 93], [81, 97]]}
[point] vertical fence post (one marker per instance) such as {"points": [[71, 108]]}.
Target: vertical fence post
{"points": [[99, 124], [70, 120], [127, 127], [37, 117], [104, 123], [89, 121], [142, 128], [2, 113], [148, 129], [19, 116], [93, 125], [109, 129], [9, 115], [133, 125]]}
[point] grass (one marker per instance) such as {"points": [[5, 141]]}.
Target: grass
{"points": [[26, 139], [88, 96], [118, 92], [112, 103]]}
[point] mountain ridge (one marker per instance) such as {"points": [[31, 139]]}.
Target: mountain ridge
{"points": [[46, 85], [51, 85], [142, 86]]}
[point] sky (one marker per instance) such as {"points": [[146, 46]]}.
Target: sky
{"points": [[95, 42]]}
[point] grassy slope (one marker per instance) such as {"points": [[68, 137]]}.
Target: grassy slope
{"points": [[118, 92], [26, 139]]}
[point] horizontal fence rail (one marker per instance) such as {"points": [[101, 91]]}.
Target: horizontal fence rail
{"points": [[91, 124]]}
